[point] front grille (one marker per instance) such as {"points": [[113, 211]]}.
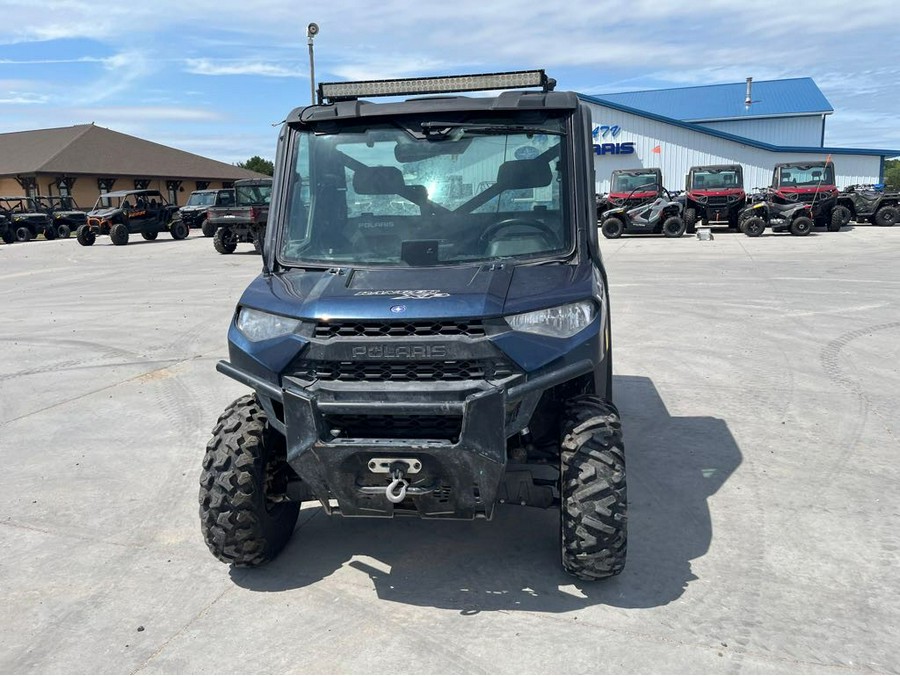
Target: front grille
{"points": [[329, 330], [395, 426], [403, 371], [718, 201]]}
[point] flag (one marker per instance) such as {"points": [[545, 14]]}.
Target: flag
{"points": [[657, 150]]}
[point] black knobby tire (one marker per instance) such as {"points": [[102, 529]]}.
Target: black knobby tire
{"points": [[886, 215], [8, 236], [593, 501], [63, 231], [801, 226], [149, 234], [118, 234], [673, 226], [840, 216], [753, 226], [612, 227], [23, 234], [85, 235], [690, 220], [245, 517], [50, 233], [206, 228], [225, 241], [178, 230]]}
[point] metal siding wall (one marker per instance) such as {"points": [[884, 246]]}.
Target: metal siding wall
{"points": [[785, 131], [682, 148]]}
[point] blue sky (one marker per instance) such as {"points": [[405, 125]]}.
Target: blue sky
{"points": [[212, 77]]}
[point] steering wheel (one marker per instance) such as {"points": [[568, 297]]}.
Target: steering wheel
{"points": [[494, 228]]}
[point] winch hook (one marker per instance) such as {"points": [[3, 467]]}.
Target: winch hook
{"points": [[396, 490]]}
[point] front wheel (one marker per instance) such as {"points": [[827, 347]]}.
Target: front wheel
{"points": [[886, 215], [612, 227], [50, 233], [85, 235], [245, 515], [118, 234], [8, 236], [225, 241], [753, 226], [178, 230], [150, 234], [23, 234], [673, 226], [690, 220], [801, 226], [207, 228], [593, 504], [840, 216], [63, 231]]}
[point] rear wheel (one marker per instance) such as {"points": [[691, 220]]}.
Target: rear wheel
{"points": [[85, 235], [886, 215], [23, 234], [50, 232], [207, 228], [673, 226], [8, 236], [593, 504], [612, 227], [801, 226], [118, 234], [753, 226], [178, 230], [63, 231], [225, 241], [840, 216], [245, 515]]}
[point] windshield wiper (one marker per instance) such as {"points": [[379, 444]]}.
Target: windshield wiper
{"points": [[445, 128]]}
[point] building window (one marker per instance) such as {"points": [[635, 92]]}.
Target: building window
{"points": [[105, 185], [29, 185], [64, 185], [203, 185], [172, 188], [141, 183]]}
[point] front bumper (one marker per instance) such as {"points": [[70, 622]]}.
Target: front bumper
{"points": [[462, 467]]}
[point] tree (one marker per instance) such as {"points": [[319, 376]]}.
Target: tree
{"points": [[892, 174], [258, 164]]}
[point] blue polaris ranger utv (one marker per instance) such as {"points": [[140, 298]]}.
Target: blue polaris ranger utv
{"points": [[430, 334]]}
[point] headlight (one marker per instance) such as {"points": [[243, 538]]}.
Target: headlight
{"points": [[563, 321], [258, 325]]}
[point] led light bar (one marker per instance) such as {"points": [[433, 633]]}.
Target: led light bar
{"points": [[347, 91]]}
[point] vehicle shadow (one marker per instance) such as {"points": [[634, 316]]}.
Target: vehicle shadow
{"points": [[512, 562]]}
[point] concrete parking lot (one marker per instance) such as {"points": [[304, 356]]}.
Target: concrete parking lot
{"points": [[758, 381]]}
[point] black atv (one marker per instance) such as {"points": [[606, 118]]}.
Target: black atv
{"points": [[424, 346], [765, 212], [128, 212], [63, 212], [661, 215], [195, 213], [869, 203], [25, 221]]}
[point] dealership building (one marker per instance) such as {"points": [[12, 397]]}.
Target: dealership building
{"points": [[754, 124]]}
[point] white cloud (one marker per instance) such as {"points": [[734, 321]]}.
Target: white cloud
{"points": [[240, 67]]}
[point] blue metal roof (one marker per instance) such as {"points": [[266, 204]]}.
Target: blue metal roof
{"points": [[771, 98], [700, 129]]}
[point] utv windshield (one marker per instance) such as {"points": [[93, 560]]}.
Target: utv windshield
{"points": [[633, 181], [427, 193], [805, 176], [253, 194], [716, 179], [202, 199]]}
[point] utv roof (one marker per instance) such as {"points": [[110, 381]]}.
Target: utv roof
{"points": [[249, 181], [638, 170], [802, 165], [123, 193], [716, 167]]}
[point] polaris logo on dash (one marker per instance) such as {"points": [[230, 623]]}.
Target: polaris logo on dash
{"points": [[626, 148]]}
